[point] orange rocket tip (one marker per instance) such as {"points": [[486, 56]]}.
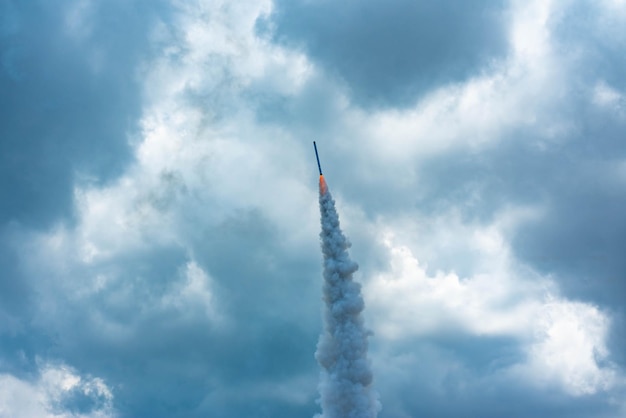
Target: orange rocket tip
{"points": [[323, 186]]}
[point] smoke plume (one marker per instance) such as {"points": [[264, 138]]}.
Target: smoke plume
{"points": [[346, 378]]}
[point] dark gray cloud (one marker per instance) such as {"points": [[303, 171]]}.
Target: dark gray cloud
{"points": [[460, 375], [69, 99], [14, 292], [388, 53]]}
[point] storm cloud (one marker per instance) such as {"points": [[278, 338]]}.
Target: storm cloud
{"points": [[158, 211], [389, 52]]}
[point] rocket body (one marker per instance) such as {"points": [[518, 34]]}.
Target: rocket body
{"points": [[318, 158]]}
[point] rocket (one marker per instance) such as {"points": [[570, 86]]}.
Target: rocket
{"points": [[318, 158]]}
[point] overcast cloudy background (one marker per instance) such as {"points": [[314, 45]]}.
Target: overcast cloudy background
{"points": [[158, 204]]}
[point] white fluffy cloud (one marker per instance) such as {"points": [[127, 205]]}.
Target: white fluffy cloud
{"points": [[564, 341], [58, 392]]}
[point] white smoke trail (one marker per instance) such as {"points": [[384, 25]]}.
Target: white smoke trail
{"points": [[346, 378]]}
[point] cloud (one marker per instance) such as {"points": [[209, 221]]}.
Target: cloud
{"points": [[388, 53], [69, 100], [494, 328], [498, 298], [160, 227], [571, 349], [57, 392]]}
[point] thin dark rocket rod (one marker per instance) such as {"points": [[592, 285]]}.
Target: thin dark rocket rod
{"points": [[318, 158]]}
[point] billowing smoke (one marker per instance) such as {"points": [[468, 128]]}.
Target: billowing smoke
{"points": [[346, 378]]}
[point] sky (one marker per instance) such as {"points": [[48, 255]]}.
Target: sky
{"points": [[159, 220]]}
